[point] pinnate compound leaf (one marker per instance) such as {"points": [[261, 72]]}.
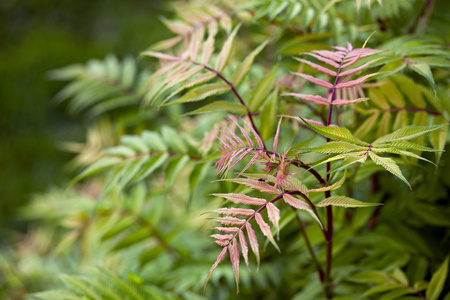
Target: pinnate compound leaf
{"points": [[407, 133], [221, 256], [344, 201], [265, 229], [242, 199], [335, 133], [256, 185], [299, 204], [437, 281], [390, 165]]}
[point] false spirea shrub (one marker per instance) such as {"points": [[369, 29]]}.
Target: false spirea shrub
{"points": [[306, 133]]}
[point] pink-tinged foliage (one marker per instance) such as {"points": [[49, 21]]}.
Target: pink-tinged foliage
{"points": [[233, 248], [354, 82], [214, 266], [222, 237], [256, 185], [235, 211], [227, 229], [274, 216], [317, 67], [229, 221], [314, 80], [253, 241], [277, 136], [244, 248], [265, 229], [340, 59], [242, 199]]}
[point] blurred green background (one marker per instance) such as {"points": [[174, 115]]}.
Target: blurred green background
{"points": [[38, 36]]}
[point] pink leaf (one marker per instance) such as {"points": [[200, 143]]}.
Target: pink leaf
{"points": [[251, 162], [265, 229], [229, 221], [357, 69], [299, 204], [257, 185], [162, 56], [257, 137], [277, 136], [314, 80], [236, 138], [314, 122], [222, 237], [234, 211], [244, 248], [234, 258], [214, 266], [245, 134], [317, 67], [354, 82], [253, 241], [222, 243], [274, 215], [311, 98], [343, 102], [227, 229], [325, 60], [336, 56], [242, 199]]}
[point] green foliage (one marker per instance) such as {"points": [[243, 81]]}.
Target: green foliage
{"points": [[345, 228]]}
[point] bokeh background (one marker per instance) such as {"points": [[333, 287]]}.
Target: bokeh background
{"points": [[36, 37]]}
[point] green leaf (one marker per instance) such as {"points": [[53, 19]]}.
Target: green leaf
{"points": [[245, 66], [331, 187], [202, 92], [82, 286], [131, 170], [262, 89], [150, 166], [134, 142], [425, 71], [57, 295], [268, 114], [226, 49], [390, 165], [96, 167], [439, 138], [174, 139], [344, 201], [407, 133], [173, 169], [236, 109], [437, 281], [154, 141], [335, 147], [335, 133]]}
